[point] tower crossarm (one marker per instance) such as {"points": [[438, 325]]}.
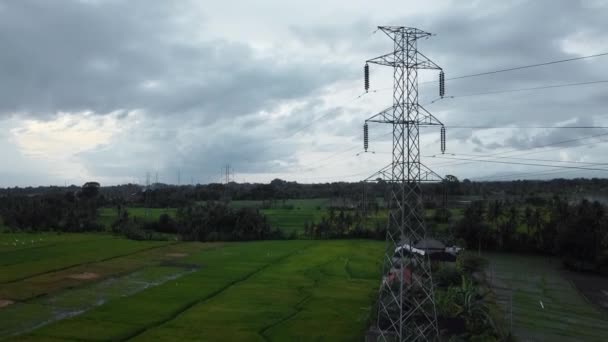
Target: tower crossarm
{"points": [[426, 118], [428, 175], [383, 174], [422, 62], [412, 32], [387, 116]]}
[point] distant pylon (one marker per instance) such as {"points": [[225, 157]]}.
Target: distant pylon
{"points": [[147, 194], [228, 174], [406, 305]]}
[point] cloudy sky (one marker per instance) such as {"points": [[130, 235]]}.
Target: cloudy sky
{"points": [[109, 90]]}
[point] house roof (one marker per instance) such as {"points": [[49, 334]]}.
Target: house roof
{"points": [[410, 249], [427, 244]]}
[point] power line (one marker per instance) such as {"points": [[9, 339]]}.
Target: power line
{"points": [[298, 130], [533, 159], [313, 121], [551, 171], [523, 67], [332, 160], [521, 154], [529, 127], [494, 156], [308, 169], [534, 147], [517, 90], [529, 89], [520, 163], [338, 176], [519, 174]]}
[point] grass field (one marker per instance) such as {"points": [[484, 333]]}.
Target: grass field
{"points": [[288, 220], [257, 291], [292, 220], [108, 215], [306, 204], [528, 281], [289, 216]]}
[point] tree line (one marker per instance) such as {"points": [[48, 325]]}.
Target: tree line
{"points": [[575, 231], [213, 221], [70, 211], [163, 195]]}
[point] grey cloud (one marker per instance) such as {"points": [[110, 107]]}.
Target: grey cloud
{"points": [[196, 149], [522, 140], [109, 55]]}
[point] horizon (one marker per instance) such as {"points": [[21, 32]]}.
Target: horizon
{"points": [[107, 96]]}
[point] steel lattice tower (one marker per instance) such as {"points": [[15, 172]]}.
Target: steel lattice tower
{"points": [[406, 307]]}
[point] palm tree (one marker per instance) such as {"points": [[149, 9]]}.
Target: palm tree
{"points": [[494, 211], [529, 216], [537, 223]]}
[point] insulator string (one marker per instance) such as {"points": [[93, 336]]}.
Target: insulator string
{"points": [[365, 137], [366, 74]]}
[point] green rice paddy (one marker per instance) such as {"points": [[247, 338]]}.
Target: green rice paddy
{"points": [[290, 215], [545, 305], [143, 291], [106, 216]]}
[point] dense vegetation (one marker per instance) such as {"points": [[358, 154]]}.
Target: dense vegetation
{"points": [[577, 232], [213, 221], [217, 221], [69, 211], [464, 302], [343, 224], [163, 195]]}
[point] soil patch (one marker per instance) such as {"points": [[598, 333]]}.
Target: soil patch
{"points": [[5, 302], [593, 287], [84, 276], [176, 255]]}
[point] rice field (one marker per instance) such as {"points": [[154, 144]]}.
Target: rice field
{"points": [[106, 216], [289, 215], [117, 289], [541, 303]]}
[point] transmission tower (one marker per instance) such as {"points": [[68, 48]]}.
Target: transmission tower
{"points": [[147, 194], [406, 306], [228, 174]]}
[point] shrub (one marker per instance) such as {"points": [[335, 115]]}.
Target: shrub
{"points": [[446, 276], [216, 221], [469, 263]]}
